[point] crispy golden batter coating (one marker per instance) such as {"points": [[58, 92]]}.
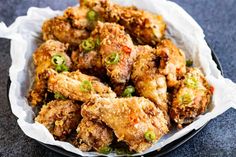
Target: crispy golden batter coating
{"points": [[191, 98], [130, 119], [114, 41], [69, 28], [146, 28], [77, 86], [172, 62], [147, 80], [60, 117], [89, 62], [42, 61], [93, 135]]}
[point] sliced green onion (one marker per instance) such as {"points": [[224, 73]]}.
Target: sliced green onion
{"points": [[58, 60], [92, 15], [112, 59], [150, 136], [129, 90], [59, 96], [88, 44], [60, 68], [120, 151], [189, 63], [186, 99], [86, 86], [191, 82], [105, 150], [97, 42]]}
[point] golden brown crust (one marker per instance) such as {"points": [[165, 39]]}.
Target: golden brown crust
{"points": [[60, 117], [93, 135], [69, 85], [191, 98], [129, 118], [114, 40], [69, 28], [172, 62], [146, 28], [42, 61], [147, 80]]}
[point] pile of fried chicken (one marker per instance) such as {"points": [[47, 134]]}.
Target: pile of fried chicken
{"points": [[106, 78]]}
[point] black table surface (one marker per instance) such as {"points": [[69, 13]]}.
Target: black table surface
{"points": [[218, 138]]}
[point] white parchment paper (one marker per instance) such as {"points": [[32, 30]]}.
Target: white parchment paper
{"points": [[181, 28]]}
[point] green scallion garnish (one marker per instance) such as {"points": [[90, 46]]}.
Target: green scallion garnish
{"points": [[58, 60], [112, 59], [86, 86], [105, 150], [150, 136], [88, 44], [92, 15], [59, 96], [129, 90]]}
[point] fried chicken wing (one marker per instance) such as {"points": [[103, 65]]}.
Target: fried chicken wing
{"points": [[191, 98], [69, 28], [93, 135], [144, 27], [172, 62], [147, 80], [60, 117], [130, 119], [42, 60], [77, 86], [117, 51], [89, 63]]}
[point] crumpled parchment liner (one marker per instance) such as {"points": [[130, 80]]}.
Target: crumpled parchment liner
{"points": [[25, 35]]}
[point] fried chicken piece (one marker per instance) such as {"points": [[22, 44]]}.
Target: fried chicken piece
{"points": [[60, 117], [42, 60], [191, 98], [130, 118], [93, 135], [69, 28], [117, 51], [77, 86], [172, 62], [89, 63], [147, 80], [143, 26]]}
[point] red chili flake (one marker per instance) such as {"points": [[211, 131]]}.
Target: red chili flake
{"points": [[126, 49], [212, 89]]}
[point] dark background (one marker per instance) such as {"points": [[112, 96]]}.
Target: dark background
{"points": [[218, 138]]}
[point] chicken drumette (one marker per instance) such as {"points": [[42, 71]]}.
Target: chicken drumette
{"points": [[93, 135], [191, 98], [77, 86], [117, 51], [172, 62], [60, 117], [147, 80], [70, 28], [42, 58], [135, 120], [144, 27]]}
